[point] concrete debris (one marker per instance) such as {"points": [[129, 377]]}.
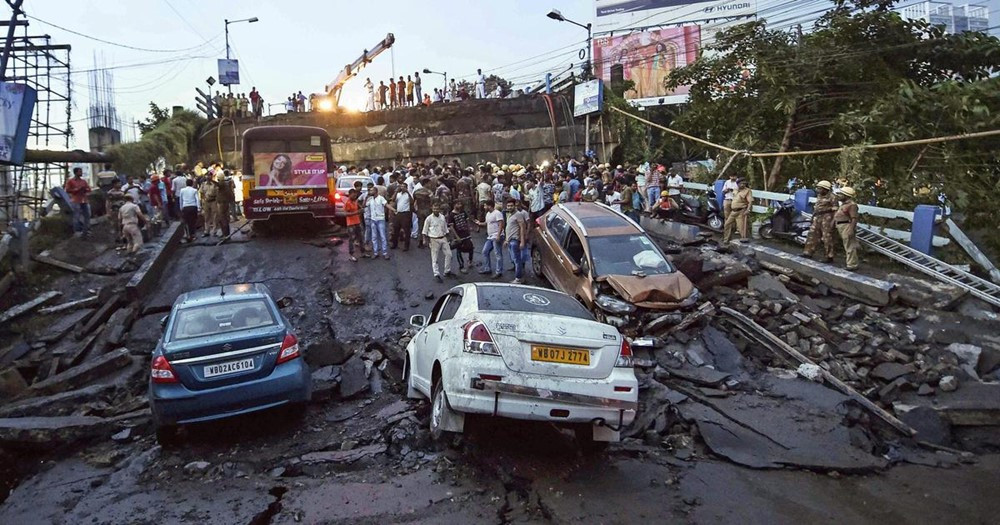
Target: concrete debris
{"points": [[869, 290], [24, 308], [810, 372], [64, 325], [921, 293], [46, 259], [343, 456], [101, 316], [349, 296], [12, 383], [54, 431], [948, 384], [84, 373], [771, 287], [82, 303], [196, 467], [353, 377], [325, 382], [929, 424]]}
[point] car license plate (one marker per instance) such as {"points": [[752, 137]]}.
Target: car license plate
{"points": [[552, 354], [231, 367]]}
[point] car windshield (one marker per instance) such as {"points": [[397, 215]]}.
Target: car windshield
{"points": [[220, 318], [529, 300], [627, 255], [346, 183]]}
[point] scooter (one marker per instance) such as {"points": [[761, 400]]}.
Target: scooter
{"points": [[692, 210], [786, 223]]}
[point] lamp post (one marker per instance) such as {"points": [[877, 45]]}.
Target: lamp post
{"points": [[227, 21], [587, 75], [445, 74]]}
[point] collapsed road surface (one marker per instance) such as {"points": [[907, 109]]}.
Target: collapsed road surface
{"points": [[728, 430]]}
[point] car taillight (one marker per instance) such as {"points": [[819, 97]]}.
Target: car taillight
{"points": [[478, 339], [624, 355], [336, 196], [289, 349], [161, 371]]}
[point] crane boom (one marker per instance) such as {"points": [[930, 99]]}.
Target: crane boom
{"points": [[351, 70]]}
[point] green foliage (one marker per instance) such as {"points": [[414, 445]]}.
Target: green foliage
{"points": [[157, 116], [171, 139], [864, 75]]}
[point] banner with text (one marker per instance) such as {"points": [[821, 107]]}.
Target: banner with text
{"points": [[282, 170], [622, 15]]}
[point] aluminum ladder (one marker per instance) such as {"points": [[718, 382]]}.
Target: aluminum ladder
{"points": [[936, 268]]}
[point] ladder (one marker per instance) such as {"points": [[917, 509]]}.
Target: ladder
{"points": [[936, 268]]}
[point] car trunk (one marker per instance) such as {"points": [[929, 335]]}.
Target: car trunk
{"points": [[554, 345], [220, 360]]}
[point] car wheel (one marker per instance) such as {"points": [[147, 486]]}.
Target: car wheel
{"points": [[411, 391], [766, 231], [439, 407], [715, 222], [536, 263], [166, 435], [585, 439]]}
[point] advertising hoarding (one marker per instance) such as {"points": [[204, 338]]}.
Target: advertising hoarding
{"points": [[647, 58], [289, 170], [618, 15], [588, 97], [229, 71], [17, 104]]}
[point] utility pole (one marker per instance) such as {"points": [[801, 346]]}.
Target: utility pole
{"points": [[587, 66]]}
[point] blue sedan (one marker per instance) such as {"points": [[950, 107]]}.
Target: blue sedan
{"points": [[225, 351]]}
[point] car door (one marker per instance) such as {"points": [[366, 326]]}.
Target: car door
{"points": [[552, 234], [572, 258], [429, 338]]}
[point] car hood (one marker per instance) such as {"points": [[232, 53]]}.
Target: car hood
{"points": [[652, 291]]}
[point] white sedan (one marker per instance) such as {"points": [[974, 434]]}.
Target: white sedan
{"points": [[521, 352]]}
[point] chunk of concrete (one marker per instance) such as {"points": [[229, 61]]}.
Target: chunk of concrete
{"points": [[118, 325], [85, 372], [61, 404], [921, 293], [63, 325], [54, 431], [12, 383], [769, 286], [929, 424], [863, 288], [324, 382], [343, 456], [101, 316], [353, 377], [26, 307], [671, 231], [891, 371]]}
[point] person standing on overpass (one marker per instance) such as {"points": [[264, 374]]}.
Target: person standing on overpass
{"points": [[480, 84]]}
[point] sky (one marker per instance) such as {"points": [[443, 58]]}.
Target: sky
{"points": [[303, 44]]}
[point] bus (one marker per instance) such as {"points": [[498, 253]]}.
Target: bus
{"points": [[287, 170]]}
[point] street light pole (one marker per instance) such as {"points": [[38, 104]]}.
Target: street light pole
{"points": [[227, 21], [587, 68], [445, 74]]}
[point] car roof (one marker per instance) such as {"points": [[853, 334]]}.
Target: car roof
{"points": [[223, 293], [597, 220]]}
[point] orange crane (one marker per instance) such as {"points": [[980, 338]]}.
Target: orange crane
{"points": [[333, 89]]}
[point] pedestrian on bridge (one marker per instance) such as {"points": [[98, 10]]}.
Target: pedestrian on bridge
{"points": [[822, 225], [846, 219]]}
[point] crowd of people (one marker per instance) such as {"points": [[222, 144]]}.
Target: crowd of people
{"points": [[239, 106], [408, 92]]}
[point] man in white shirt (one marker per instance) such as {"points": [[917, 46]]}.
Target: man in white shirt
{"points": [[190, 204], [615, 199], [370, 99], [729, 190], [133, 189], [674, 185], [494, 239], [436, 235], [402, 222], [375, 208], [480, 84]]}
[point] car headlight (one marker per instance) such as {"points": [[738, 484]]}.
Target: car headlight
{"points": [[614, 305], [691, 299]]}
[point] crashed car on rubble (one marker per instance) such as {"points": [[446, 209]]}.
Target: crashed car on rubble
{"points": [[521, 352], [607, 262]]}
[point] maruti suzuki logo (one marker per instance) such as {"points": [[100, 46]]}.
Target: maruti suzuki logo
{"points": [[227, 347]]}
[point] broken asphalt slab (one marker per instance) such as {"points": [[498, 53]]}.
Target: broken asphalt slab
{"points": [[867, 289], [53, 431]]}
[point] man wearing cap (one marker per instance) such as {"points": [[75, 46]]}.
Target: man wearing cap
{"points": [[822, 221], [130, 215], [846, 219], [742, 201]]}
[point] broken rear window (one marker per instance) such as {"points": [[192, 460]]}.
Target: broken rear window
{"points": [[529, 300]]}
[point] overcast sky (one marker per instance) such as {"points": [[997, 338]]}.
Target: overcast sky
{"points": [[303, 44]]}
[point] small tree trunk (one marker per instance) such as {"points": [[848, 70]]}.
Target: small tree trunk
{"points": [[772, 179]]}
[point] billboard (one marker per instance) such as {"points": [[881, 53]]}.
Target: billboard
{"points": [[229, 71], [647, 58], [588, 97], [284, 170], [17, 104], [617, 15]]}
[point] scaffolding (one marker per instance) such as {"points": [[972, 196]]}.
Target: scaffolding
{"points": [[39, 63]]}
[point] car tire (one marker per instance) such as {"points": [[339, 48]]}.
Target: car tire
{"points": [[536, 263], [439, 404], [585, 439], [411, 391], [715, 222], [166, 435]]}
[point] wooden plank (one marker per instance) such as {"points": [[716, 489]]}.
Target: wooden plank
{"points": [[778, 346], [24, 308], [82, 303], [43, 258]]}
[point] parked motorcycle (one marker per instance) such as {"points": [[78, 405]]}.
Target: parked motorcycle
{"points": [[692, 210], [786, 223]]}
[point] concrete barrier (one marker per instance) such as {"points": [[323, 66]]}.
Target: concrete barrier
{"points": [[145, 277]]}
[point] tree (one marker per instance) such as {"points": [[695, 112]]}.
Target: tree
{"points": [[172, 140], [864, 75], [157, 116]]}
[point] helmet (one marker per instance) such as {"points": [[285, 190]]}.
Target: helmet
{"points": [[664, 193], [504, 167], [848, 191], [825, 184], [220, 177]]}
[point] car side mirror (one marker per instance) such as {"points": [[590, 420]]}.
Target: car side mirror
{"points": [[163, 322], [284, 302], [577, 270], [418, 321]]}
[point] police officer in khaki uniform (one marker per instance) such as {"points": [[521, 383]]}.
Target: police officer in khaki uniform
{"points": [[822, 221], [846, 219], [738, 219]]}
